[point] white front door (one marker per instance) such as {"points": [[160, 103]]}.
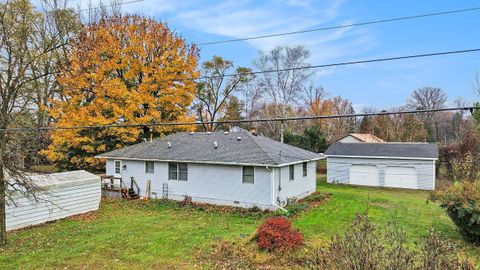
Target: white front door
{"points": [[365, 175], [401, 177]]}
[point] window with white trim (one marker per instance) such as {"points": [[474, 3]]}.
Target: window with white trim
{"points": [[118, 166], [305, 169], [177, 171], [248, 175], [149, 167], [291, 172]]}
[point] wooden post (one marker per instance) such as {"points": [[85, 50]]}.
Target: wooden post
{"points": [[149, 183]]}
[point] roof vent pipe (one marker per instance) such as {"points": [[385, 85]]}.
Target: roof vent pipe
{"points": [[208, 132], [226, 132], [169, 145], [239, 138], [215, 144], [193, 132]]}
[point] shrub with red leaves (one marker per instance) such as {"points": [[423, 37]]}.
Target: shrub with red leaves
{"points": [[277, 234]]}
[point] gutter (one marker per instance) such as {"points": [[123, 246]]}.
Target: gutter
{"points": [[380, 157], [272, 173], [208, 162]]}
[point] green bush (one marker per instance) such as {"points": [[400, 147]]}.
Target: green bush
{"points": [[462, 203]]}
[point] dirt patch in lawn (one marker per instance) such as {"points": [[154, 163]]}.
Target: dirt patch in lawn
{"points": [[88, 217]]}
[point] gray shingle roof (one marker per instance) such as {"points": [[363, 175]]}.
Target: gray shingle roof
{"points": [[404, 150], [199, 147]]}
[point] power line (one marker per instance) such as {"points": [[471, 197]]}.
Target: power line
{"points": [[315, 117], [385, 59], [342, 26], [375, 60]]}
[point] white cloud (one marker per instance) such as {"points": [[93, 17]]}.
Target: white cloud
{"points": [[246, 18], [240, 19]]}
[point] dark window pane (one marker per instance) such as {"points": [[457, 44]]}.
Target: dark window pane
{"points": [[183, 171], [248, 175], [150, 167], [183, 176], [305, 169], [172, 171], [117, 166], [291, 171]]}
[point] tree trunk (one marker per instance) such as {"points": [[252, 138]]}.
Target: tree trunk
{"points": [[3, 217]]}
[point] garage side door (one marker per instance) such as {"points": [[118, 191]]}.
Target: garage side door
{"points": [[365, 175], [401, 177]]}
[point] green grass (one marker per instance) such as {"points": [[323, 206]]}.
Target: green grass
{"points": [[138, 235], [125, 234], [408, 208]]}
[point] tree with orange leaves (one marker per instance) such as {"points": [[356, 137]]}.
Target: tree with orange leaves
{"points": [[122, 70]]}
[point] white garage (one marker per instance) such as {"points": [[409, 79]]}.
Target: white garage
{"points": [[364, 175], [401, 177], [397, 165]]}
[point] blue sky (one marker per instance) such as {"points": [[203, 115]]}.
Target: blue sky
{"points": [[379, 84]]}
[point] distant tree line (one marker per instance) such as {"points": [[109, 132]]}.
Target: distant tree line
{"points": [[110, 68]]}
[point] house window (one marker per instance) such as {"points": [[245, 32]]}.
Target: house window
{"points": [[172, 171], [248, 175], [291, 172], [304, 169], [183, 171], [118, 166], [149, 167], [177, 171]]}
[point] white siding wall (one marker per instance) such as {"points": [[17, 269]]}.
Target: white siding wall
{"points": [[299, 187], [338, 169], [222, 184], [350, 139], [54, 202], [216, 184]]}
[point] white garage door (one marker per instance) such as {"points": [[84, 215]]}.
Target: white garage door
{"points": [[365, 175], [401, 177]]}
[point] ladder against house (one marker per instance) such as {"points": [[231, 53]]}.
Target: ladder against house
{"points": [[115, 187]]}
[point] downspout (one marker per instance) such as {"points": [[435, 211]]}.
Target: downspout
{"points": [[272, 175]]}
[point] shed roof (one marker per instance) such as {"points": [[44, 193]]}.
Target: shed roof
{"points": [[62, 178], [393, 150], [236, 147]]}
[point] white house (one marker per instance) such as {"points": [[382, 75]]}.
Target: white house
{"points": [[228, 168], [400, 165], [360, 138]]}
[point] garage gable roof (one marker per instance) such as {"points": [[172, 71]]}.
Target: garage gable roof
{"points": [[387, 150]]}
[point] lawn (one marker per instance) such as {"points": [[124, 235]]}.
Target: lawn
{"points": [[136, 235], [409, 208]]}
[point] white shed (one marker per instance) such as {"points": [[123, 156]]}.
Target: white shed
{"points": [[60, 195]]}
